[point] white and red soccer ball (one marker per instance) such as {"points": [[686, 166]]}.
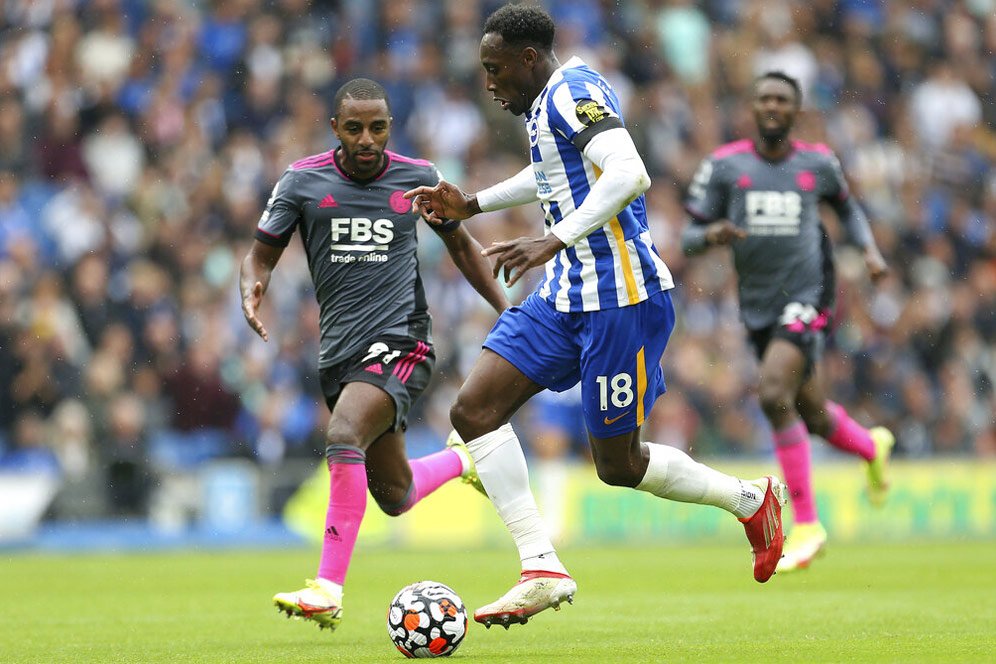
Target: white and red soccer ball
{"points": [[426, 619]]}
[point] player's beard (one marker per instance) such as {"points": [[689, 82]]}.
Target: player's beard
{"points": [[774, 135], [366, 168]]}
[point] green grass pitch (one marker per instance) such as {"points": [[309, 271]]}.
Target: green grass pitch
{"points": [[903, 602]]}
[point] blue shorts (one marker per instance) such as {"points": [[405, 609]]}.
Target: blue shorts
{"points": [[614, 353]]}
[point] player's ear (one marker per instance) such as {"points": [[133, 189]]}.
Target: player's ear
{"points": [[335, 127], [529, 57]]}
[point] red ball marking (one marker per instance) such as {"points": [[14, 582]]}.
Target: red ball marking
{"points": [[437, 645], [411, 620]]}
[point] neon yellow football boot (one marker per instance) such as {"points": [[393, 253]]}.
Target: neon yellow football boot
{"points": [[469, 474], [319, 601], [878, 483], [804, 543]]}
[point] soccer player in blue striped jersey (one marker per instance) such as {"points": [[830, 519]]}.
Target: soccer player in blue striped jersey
{"points": [[601, 315]]}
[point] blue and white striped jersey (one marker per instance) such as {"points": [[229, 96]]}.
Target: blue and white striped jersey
{"points": [[616, 265]]}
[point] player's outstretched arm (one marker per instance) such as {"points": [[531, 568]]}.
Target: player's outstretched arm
{"points": [[445, 201], [254, 279], [467, 254]]}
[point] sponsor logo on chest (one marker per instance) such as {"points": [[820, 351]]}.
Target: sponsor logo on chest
{"points": [[359, 234], [773, 212]]}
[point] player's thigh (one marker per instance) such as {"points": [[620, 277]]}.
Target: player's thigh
{"points": [[362, 413], [372, 393], [782, 372], [621, 375], [790, 359], [811, 401], [532, 346], [542, 343], [493, 391]]}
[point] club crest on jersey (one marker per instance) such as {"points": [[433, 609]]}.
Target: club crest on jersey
{"points": [[589, 112], [533, 130], [806, 180], [399, 203], [773, 212]]}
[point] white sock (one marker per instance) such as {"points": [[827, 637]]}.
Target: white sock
{"points": [[674, 475], [501, 466]]}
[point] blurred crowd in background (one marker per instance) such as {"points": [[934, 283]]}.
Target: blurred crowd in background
{"points": [[139, 141]]}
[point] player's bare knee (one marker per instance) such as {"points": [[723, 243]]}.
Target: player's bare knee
{"points": [[617, 474], [344, 435], [470, 421], [775, 402]]}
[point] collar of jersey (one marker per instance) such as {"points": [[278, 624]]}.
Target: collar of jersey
{"points": [[572, 62], [342, 171]]}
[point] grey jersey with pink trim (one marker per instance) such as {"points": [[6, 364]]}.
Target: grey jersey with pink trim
{"points": [[787, 255], [360, 238]]}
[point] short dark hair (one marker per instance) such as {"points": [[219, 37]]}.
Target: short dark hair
{"points": [[359, 88], [524, 25], [783, 77]]}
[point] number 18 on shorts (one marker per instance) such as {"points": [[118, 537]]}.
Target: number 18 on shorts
{"points": [[614, 353]]}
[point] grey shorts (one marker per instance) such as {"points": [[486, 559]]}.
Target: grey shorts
{"points": [[401, 366]]}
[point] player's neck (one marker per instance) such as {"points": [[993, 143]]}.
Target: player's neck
{"points": [[542, 73], [774, 149], [352, 170]]}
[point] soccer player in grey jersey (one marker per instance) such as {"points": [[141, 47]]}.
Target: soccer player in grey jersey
{"points": [[376, 354], [761, 198]]}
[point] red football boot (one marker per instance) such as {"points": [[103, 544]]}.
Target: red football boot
{"points": [[764, 529]]}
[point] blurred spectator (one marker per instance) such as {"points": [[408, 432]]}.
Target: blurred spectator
{"points": [[139, 142], [940, 104], [126, 456]]}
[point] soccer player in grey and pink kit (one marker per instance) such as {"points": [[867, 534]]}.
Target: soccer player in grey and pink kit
{"points": [[376, 353], [761, 198]]}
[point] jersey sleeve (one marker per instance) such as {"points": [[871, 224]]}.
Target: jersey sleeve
{"points": [[832, 184], [282, 213], [706, 200], [579, 110], [835, 191], [432, 178]]}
